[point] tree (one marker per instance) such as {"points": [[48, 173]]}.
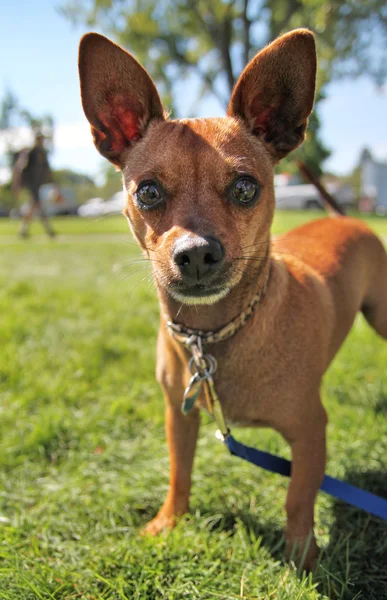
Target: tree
{"points": [[69, 177], [214, 39], [8, 110], [13, 121]]}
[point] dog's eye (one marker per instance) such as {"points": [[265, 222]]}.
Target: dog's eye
{"points": [[245, 190], [148, 195]]}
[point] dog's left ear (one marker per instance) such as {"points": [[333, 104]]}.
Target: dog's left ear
{"points": [[275, 92]]}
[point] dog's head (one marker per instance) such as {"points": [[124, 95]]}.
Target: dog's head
{"points": [[200, 191]]}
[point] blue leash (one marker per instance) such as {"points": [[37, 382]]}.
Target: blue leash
{"points": [[339, 489], [202, 367]]}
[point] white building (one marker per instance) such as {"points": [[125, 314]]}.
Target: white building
{"points": [[373, 182]]}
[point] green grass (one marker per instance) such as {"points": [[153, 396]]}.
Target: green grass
{"points": [[83, 459]]}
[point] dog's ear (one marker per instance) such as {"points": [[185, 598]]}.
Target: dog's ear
{"points": [[118, 96], [275, 92]]}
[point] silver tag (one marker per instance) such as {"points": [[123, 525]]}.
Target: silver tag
{"points": [[191, 392]]}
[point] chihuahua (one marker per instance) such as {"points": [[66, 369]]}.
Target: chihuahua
{"points": [[200, 203]]}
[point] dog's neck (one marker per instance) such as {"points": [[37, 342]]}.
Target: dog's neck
{"points": [[212, 317]]}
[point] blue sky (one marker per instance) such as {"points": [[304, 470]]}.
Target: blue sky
{"points": [[38, 50]]}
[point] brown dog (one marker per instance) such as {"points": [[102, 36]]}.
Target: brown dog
{"points": [[200, 203]]}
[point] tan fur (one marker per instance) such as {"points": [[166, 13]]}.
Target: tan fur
{"points": [[322, 273]]}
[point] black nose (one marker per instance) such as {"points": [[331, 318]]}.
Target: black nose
{"points": [[197, 257]]}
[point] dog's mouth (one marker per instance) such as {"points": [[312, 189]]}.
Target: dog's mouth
{"points": [[199, 293], [201, 290], [206, 291]]}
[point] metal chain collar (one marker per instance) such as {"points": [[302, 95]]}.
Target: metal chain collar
{"points": [[203, 365]]}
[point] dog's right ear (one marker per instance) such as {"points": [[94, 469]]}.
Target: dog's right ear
{"points": [[118, 96]]}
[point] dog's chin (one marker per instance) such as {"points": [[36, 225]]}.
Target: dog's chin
{"points": [[199, 296]]}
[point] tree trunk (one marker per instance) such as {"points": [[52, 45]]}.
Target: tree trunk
{"points": [[225, 35], [246, 34]]}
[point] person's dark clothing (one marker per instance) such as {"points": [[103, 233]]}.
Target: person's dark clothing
{"points": [[36, 172], [31, 171]]}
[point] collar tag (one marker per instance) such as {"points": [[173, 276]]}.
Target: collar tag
{"points": [[203, 366]]}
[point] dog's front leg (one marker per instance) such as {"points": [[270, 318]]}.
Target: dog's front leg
{"points": [[308, 465], [182, 432]]}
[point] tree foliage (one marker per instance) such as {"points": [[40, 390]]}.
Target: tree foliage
{"points": [[213, 40], [14, 118]]}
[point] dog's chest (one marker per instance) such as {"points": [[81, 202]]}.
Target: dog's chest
{"points": [[245, 386]]}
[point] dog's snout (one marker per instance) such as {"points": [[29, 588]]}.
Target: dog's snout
{"points": [[197, 257]]}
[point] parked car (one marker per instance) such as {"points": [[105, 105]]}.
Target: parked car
{"points": [[115, 204], [306, 196], [91, 208], [97, 206], [297, 197], [52, 204]]}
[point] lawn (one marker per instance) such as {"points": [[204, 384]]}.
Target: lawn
{"points": [[83, 459]]}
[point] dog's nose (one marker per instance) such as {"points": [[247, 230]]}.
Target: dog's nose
{"points": [[197, 257]]}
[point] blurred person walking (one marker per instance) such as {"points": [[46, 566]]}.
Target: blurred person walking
{"points": [[31, 171]]}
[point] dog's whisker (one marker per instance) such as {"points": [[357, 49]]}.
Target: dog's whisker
{"points": [[113, 274], [274, 250], [136, 245], [179, 310], [130, 263], [137, 284], [132, 274], [262, 243], [259, 260]]}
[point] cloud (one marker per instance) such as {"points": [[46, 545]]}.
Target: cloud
{"points": [[379, 150], [66, 136], [15, 139], [73, 135], [74, 148]]}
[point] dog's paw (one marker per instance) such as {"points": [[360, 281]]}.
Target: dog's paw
{"points": [[304, 552], [160, 523]]}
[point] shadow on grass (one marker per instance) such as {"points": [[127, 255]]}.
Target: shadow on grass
{"points": [[381, 405], [272, 536], [354, 565]]}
